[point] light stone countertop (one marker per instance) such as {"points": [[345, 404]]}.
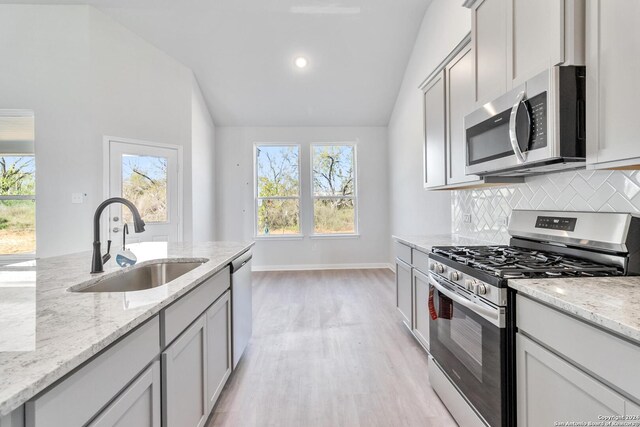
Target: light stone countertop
{"points": [[610, 302], [47, 331], [424, 243]]}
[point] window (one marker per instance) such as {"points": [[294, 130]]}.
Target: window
{"points": [[17, 185], [334, 188], [277, 190]]}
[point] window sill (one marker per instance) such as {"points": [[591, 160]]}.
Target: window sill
{"points": [[280, 237], [334, 236]]}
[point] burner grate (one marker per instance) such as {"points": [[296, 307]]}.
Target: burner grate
{"points": [[511, 262]]}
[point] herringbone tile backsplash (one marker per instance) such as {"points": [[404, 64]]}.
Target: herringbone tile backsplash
{"points": [[605, 191]]}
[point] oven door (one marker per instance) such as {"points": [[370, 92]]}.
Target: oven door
{"points": [[470, 346], [512, 132]]}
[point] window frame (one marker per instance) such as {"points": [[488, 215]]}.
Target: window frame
{"points": [[354, 197], [257, 199]]}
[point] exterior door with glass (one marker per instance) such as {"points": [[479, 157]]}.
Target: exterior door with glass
{"points": [[148, 176]]}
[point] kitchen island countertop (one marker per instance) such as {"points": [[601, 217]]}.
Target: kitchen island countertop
{"points": [[47, 331]]}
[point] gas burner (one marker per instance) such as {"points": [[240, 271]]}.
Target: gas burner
{"points": [[510, 262]]}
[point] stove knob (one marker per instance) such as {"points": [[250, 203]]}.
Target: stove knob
{"points": [[439, 268], [454, 275], [432, 266], [481, 289], [470, 285]]}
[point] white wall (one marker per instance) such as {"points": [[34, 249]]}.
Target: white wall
{"points": [[203, 167], [235, 203], [86, 76], [412, 209]]}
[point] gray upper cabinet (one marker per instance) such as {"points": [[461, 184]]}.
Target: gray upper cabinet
{"points": [[535, 38], [460, 102], [434, 132], [514, 40], [138, 405], [218, 318], [185, 402], [613, 67], [489, 41]]}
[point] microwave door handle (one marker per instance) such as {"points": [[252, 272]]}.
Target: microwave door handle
{"points": [[512, 129], [490, 315]]}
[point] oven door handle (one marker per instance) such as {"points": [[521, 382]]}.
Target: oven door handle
{"points": [[493, 316], [513, 136]]}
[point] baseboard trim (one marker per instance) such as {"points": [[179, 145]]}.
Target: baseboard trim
{"points": [[303, 267]]}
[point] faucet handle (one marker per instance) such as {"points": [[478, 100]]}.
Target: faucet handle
{"points": [[106, 257]]}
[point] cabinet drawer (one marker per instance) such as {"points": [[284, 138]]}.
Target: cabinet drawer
{"points": [[403, 252], [80, 397], [179, 315], [420, 261], [605, 355]]}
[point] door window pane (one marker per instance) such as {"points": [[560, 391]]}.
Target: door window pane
{"points": [[17, 176], [334, 216], [278, 217], [144, 183], [17, 227]]}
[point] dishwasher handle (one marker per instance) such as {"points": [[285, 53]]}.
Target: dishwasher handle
{"points": [[241, 261]]}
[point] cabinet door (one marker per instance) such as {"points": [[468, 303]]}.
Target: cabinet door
{"points": [[535, 38], [138, 405], [218, 347], [184, 378], [551, 389], [403, 291], [460, 102], [434, 132], [421, 308], [613, 67], [488, 37]]}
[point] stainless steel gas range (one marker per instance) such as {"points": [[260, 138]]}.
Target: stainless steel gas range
{"points": [[472, 310]]}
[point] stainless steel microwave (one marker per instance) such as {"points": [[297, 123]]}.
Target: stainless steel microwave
{"points": [[536, 127]]}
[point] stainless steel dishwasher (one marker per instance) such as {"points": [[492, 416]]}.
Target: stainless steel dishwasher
{"points": [[241, 305]]}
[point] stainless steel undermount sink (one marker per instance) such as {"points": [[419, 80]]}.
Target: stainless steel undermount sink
{"points": [[138, 278]]}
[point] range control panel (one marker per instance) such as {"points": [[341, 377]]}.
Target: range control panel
{"points": [[556, 223]]}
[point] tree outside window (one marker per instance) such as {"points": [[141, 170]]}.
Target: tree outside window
{"points": [[277, 190], [334, 188], [17, 204]]}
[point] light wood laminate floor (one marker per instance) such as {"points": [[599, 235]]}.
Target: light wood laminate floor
{"points": [[328, 349]]}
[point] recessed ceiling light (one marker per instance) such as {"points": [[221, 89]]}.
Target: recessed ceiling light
{"points": [[301, 62]]}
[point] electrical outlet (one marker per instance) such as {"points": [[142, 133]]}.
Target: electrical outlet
{"points": [[466, 218], [503, 220], [77, 197]]}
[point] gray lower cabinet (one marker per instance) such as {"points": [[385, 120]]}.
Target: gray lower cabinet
{"points": [[403, 292], [196, 367], [421, 308], [551, 389], [13, 419], [566, 371], [138, 405], [218, 325], [184, 371]]}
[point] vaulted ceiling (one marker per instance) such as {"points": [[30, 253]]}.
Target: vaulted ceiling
{"points": [[242, 53]]}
